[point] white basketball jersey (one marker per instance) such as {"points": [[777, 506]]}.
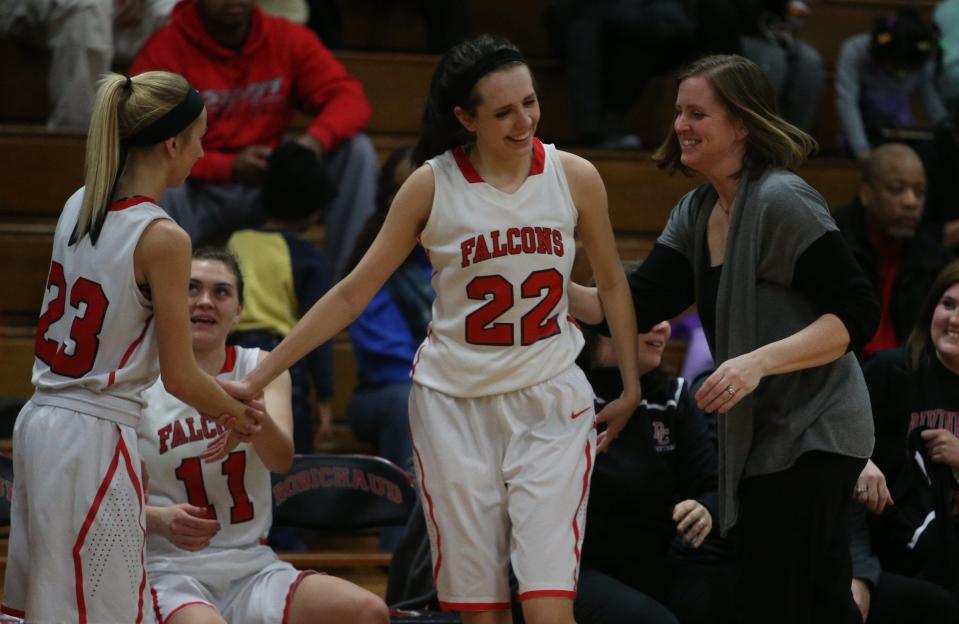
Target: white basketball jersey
{"points": [[501, 262], [95, 349], [172, 435]]}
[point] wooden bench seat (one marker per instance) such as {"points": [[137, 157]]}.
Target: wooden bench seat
{"points": [[398, 26], [640, 195], [396, 81], [640, 198]]}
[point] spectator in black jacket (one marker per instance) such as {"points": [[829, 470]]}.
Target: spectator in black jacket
{"points": [[882, 227], [652, 501], [915, 397]]}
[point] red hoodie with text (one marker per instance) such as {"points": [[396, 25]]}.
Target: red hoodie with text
{"points": [[251, 94]]}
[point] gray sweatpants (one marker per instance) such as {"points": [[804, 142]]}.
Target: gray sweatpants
{"points": [[209, 212]]}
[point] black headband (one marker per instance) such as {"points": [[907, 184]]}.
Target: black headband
{"points": [[175, 121], [171, 124], [461, 86]]}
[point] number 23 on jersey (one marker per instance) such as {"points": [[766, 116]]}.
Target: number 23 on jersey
{"points": [[90, 302]]}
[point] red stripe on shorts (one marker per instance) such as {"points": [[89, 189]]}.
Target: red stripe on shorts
{"points": [[156, 604], [429, 506], [138, 489], [17, 613], [474, 606], [582, 498], [91, 514], [188, 604], [546, 593], [289, 594]]}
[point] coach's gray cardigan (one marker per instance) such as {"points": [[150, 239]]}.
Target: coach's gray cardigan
{"points": [[826, 408]]}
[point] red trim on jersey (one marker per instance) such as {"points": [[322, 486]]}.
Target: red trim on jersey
{"points": [[17, 613], [432, 514], [184, 606], [537, 164], [129, 352], [466, 167], [129, 202], [546, 593], [288, 603], [474, 606], [230, 362], [582, 499], [575, 323], [416, 358]]}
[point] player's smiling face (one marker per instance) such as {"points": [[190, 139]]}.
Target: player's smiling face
{"points": [[214, 303], [506, 117]]}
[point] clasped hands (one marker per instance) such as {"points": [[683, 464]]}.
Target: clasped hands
{"points": [[235, 433]]}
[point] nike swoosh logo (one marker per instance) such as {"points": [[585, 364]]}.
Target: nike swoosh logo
{"points": [[576, 415]]}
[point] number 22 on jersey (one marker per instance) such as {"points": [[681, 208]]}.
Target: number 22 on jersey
{"points": [[537, 324]]}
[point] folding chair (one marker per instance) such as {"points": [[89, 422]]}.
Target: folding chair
{"points": [[331, 492]]}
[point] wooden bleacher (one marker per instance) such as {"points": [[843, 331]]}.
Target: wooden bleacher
{"points": [[41, 169]]}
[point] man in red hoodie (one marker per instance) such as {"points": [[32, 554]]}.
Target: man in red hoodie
{"points": [[254, 71]]}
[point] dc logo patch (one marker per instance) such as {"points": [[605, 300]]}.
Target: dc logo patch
{"points": [[661, 437]]}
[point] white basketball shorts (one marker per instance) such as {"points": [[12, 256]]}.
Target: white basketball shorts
{"points": [[505, 479], [246, 586], [76, 551]]}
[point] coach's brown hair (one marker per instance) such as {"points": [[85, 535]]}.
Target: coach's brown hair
{"points": [[745, 93]]}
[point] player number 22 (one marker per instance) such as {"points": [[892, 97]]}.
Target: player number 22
{"points": [[537, 324]]}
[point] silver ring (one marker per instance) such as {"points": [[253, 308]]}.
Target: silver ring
{"points": [[731, 391], [860, 489], [702, 522]]}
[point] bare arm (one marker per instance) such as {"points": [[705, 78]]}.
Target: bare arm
{"points": [[596, 233], [821, 342], [348, 298], [584, 304], [274, 443], [162, 259]]}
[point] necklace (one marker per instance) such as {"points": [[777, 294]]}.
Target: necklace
{"points": [[719, 202]]}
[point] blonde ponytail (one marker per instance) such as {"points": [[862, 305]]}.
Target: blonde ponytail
{"points": [[122, 107]]}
